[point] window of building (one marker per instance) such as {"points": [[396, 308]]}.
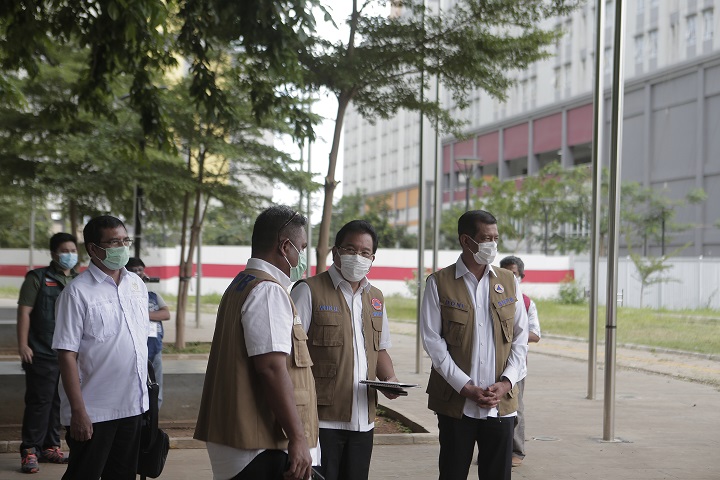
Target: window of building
{"points": [[556, 79], [691, 32], [568, 78], [640, 7], [639, 49], [652, 44], [708, 27], [654, 3]]}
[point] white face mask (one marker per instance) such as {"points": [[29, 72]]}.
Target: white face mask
{"points": [[486, 253], [354, 267]]}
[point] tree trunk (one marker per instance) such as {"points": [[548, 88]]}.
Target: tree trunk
{"points": [[182, 283], [323, 246], [73, 215]]}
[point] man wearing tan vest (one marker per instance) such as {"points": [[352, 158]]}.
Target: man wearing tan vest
{"points": [[258, 411], [345, 319], [475, 332]]}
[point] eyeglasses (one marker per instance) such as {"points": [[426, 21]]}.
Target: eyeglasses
{"points": [[116, 242], [352, 251]]}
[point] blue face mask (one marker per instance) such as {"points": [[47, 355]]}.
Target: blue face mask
{"points": [[67, 260], [116, 257]]}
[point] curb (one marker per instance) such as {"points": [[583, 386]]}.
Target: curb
{"points": [[380, 439]]}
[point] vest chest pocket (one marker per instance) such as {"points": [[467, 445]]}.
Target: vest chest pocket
{"points": [[377, 330], [326, 330], [325, 374], [506, 315], [301, 354], [454, 322]]}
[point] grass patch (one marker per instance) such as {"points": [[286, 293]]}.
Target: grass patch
{"points": [[687, 330], [190, 347], [9, 292]]}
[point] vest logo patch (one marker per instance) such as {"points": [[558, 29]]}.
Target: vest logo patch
{"points": [[506, 301], [499, 288], [328, 308], [243, 280], [49, 282], [376, 303], [454, 304], [377, 314]]}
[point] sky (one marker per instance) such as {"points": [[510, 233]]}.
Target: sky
{"points": [[326, 107]]}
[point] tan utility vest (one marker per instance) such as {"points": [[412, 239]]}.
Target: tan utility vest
{"points": [[233, 409], [332, 350], [458, 322]]}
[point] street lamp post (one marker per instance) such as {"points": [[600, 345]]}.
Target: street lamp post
{"points": [[468, 166]]}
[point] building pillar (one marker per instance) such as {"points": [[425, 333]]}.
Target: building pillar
{"points": [[502, 168], [567, 160], [701, 134], [532, 161]]}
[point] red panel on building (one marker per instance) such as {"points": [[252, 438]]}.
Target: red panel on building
{"points": [[446, 150], [516, 142], [488, 147], [547, 133], [465, 149], [580, 125]]}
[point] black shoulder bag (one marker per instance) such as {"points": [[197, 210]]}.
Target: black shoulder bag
{"points": [[154, 443]]}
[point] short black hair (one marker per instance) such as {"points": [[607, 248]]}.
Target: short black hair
{"points": [[134, 262], [271, 224], [60, 238], [357, 226], [467, 223], [513, 260], [92, 233]]}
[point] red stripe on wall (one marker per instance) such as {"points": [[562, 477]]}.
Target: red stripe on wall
{"points": [[376, 273]]}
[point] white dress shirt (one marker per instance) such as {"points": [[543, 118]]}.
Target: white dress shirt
{"points": [[302, 297], [482, 370], [533, 320], [107, 325], [267, 323]]}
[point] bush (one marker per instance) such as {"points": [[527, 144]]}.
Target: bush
{"points": [[571, 292]]}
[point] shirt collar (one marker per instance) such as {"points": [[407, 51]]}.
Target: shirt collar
{"points": [[461, 269], [101, 276], [270, 269], [337, 278]]}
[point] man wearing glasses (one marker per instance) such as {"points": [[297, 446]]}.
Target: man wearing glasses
{"points": [[348, 337], [101, 331]]}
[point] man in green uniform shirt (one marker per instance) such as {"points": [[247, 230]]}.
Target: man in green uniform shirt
{"points": [[35, 327]]}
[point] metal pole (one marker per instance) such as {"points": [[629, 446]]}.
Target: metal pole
{"points": [[663, 235], [599, 124], [137, 235], [31, 260], [198, 297], [467, 187], [421, 224], [545, 247], [309, 211], [438, 179], [613, 222]]}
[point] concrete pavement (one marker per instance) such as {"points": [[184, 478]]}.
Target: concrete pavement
{"points": [[665, 426]]}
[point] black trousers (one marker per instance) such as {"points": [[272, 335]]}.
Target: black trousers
{"points": [[457, 442], [111, 453], [345, 454], [41, 420], [268, 465]]}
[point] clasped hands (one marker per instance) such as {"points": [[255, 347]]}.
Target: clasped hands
{"points": [[487, 398]]}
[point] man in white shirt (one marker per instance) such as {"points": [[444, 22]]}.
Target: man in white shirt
{"points": [[258, 411], [347, 325], [100, 335], [475, 332], [517, 267]]}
